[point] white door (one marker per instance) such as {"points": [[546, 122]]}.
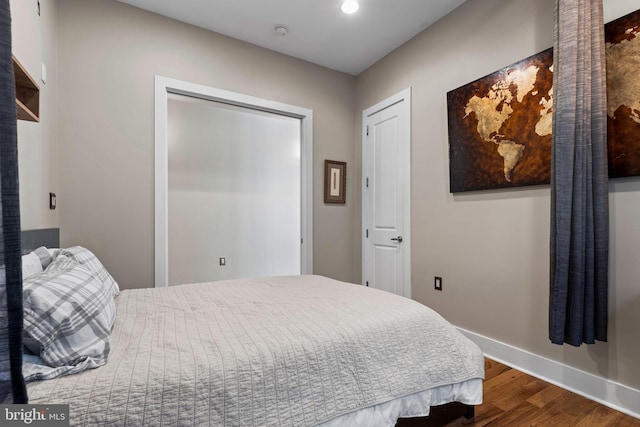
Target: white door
{"points": [[386, 195]]}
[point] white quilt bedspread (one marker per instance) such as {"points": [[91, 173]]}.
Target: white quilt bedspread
{"points": [[285, 351]]}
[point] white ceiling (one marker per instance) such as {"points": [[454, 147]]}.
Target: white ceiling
{"points": [[318, 30]]}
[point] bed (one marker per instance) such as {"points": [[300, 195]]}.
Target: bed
{"points": [[279, 351]]}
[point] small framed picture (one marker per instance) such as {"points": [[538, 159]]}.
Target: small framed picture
{"points": [[335, 181]]}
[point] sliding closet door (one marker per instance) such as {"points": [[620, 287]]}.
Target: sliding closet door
{"points": [[234, 192]]}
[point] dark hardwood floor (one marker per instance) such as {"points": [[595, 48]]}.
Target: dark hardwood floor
{"points": [[512, 398]]}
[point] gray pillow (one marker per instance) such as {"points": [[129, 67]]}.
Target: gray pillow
{"points": [[44, 255]]}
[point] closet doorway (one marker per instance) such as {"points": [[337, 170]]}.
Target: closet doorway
{"points": [[232, 186]]}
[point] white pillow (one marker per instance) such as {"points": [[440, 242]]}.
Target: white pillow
{"points": [[53, 252], [30, 265]]}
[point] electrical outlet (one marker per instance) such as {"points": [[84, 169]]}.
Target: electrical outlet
{"points": [[437, 283], [223, 261]]}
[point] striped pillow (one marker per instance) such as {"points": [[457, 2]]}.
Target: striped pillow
{"points": [[69, 313], [86, 258]]}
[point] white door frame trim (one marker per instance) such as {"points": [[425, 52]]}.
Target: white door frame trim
{"points": [[164, 86], [404, 95]]}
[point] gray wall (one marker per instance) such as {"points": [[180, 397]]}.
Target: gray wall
{"points": [[492, 248], [34, 43], [108, 55]]}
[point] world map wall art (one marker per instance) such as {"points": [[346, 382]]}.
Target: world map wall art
{"points": [[500, 125]]}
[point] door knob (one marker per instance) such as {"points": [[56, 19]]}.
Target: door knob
{"points": [[397, 239]]}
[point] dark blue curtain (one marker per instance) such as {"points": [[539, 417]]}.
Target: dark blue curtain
{"points": [[579, 178], [12, 388]]}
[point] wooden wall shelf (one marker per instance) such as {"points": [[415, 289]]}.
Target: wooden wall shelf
{"points": [[27, 94]]}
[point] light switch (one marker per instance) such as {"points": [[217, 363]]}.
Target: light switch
{"points": [[52, 201], [223, 261]]}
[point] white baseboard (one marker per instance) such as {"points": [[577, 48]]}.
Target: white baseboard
{"points": [[609, 393]]}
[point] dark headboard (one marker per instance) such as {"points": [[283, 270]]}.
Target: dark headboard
{"points": [[33, 239]]}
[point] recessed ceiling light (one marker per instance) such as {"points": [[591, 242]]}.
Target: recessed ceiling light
{"points": [[281, 30], [350, 6]]}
